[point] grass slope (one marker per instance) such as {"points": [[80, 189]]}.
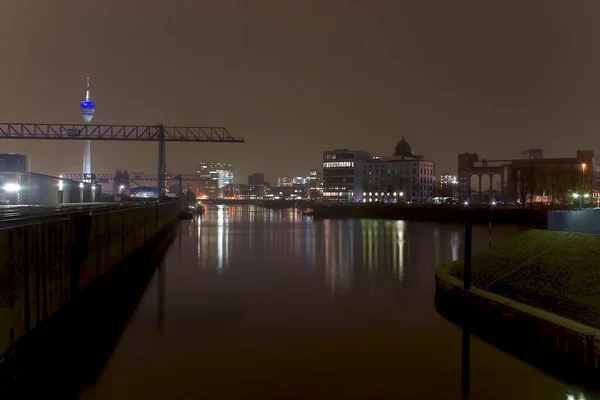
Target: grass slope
{"points": [[555, 271]]}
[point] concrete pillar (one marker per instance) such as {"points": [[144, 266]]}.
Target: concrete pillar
{"points": [[479, 180]]}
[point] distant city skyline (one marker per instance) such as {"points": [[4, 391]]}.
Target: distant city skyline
{"points": [[452, 77]]}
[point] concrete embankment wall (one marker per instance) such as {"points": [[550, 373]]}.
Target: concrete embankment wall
{"points": [[45, 265], [548, 340], [435, 213], [582, 221]]}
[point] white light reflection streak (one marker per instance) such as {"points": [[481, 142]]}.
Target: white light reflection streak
{"points": [[198, 239], [226, 237], [400, 230], [455, 244], [220, 219], [330, 261], [344, 267]]}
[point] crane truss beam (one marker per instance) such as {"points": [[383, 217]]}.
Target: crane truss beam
{"points": [[117, 132], [78, 176]]}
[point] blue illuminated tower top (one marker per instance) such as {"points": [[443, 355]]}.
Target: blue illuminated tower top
{"points": [[87, 107]]}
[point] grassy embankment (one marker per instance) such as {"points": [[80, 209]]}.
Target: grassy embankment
{"points": [[556, 271]]}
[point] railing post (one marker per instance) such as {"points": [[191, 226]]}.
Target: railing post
{"points": [[162, 166], [467, 259]]}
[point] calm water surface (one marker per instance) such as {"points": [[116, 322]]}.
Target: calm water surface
{"points": [[255, 303]]}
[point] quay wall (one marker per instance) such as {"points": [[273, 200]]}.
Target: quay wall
{"points": [[435, 213], [581, 221], [45, 265], [554, 343]]}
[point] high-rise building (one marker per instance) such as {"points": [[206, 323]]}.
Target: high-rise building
{"points": [[284, 182], [257, 178], [256, 185], [215, 177]]}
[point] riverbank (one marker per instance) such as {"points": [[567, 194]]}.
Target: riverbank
{"points": [[435, 213], [537, 293]]}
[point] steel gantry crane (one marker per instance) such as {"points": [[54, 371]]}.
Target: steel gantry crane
{"points": [[149, 133]]}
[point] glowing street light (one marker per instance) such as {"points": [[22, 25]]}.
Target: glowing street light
{"points": [[580, 197], [12, 188]]}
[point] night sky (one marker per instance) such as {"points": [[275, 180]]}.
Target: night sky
{"points": [[299, 77]]}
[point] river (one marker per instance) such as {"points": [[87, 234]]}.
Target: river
{"points": [[262, 304]]}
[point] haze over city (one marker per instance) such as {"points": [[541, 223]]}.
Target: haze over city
{"points": [[300, 199], [449, 76]]}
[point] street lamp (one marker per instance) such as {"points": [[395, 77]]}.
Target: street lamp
{"points": [[586, 195], [580, 197]]}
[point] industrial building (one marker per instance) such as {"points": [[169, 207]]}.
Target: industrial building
{"points": [[531, 178], [18, 186]]}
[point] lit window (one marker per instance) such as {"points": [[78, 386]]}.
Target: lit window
{"points": [[338, 164]]}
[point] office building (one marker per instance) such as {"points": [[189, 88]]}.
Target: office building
{"points": [[357, 176], [402, 177], [315, 184], [341, 178]]}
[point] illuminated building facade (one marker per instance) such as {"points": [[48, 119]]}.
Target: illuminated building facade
{"points": [[357, 176], [448, 186], [315, 184], [342, 181], [215, 177], [402, 177]]}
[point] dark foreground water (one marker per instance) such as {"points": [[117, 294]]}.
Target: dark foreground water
{"points": [[260, 304]]}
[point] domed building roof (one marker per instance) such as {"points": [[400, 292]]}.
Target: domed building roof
{"points": [[403, 149]]}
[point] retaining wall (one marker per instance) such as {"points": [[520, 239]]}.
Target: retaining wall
{"points": [[44, 266], [582, 221], [543, 338], [434, 213]]}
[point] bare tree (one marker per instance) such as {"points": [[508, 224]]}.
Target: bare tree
{"points": [[530, 180]]}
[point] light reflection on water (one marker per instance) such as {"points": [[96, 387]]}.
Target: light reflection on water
{"points": [[271, 304]]}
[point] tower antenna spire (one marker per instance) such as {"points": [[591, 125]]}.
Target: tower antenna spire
{"points": [[88, 93]]}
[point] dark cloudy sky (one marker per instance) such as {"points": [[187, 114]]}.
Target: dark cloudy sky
{"points": [[298, 77]]}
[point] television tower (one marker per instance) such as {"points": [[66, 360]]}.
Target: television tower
{"points": [[87, 108]]}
